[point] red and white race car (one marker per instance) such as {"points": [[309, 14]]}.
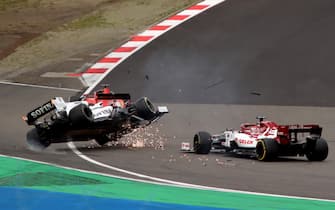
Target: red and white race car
{"points": [[103, 116], [265, 139]]}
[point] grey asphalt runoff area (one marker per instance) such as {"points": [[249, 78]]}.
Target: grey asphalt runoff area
{"points": [[226, 66]]}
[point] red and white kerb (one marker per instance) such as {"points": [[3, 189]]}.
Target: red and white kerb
{"points": [[93, 75]]}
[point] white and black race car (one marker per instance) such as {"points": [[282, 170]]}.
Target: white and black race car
{"points": [[105, 117]]}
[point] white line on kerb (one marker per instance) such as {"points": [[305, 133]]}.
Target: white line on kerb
{"points": [[168, 182], [37, 86]]}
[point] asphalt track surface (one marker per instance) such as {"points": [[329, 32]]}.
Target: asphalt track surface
{"points": [[237, 60]]}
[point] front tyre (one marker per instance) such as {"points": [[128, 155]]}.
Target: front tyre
{"points": [[319, 152], [266, 149], [202, 142], [145, 109]]}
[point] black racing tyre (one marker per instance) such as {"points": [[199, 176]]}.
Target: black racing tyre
{"points": [[35, 141], [102, 140], [319, 152], [202, 142], [81, 115], [145, 109], [266, 149]]}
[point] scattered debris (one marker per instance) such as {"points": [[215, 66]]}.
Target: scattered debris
{"points": [[255, 93], [145, 137]]}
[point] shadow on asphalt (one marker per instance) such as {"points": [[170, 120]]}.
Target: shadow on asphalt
{"points": [[279, 159]]}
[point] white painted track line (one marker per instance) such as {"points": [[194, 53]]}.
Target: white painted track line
{"points": [[38, 86]]}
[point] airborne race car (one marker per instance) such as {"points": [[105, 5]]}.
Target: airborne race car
{"points": [[105, 117], [266, 140]]}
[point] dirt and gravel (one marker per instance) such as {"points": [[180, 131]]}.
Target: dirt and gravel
{"points": [[22, 20], [39, 36]]}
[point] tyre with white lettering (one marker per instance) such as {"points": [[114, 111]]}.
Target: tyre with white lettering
{"points": [[145, 109], [81, 115], [36, 141], [202, 142], [266, 149]]}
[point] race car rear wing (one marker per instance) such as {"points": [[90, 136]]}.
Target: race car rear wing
{"points": [[293, 131], [40, 111], [311, 130]]}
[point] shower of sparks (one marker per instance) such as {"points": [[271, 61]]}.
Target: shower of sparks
{"points": [[149, 136]]}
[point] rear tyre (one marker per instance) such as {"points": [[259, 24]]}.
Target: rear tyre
{"points": [[202, 142], [35, 141], [266, 149], [145, 109], [81, 115], [319, 152]]}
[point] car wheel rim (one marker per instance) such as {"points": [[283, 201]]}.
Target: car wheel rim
{"points": [[260, 150], [196, 143], [150, 105]]}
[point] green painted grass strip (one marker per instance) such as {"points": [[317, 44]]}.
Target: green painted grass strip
{"points": [[27, 174]]}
